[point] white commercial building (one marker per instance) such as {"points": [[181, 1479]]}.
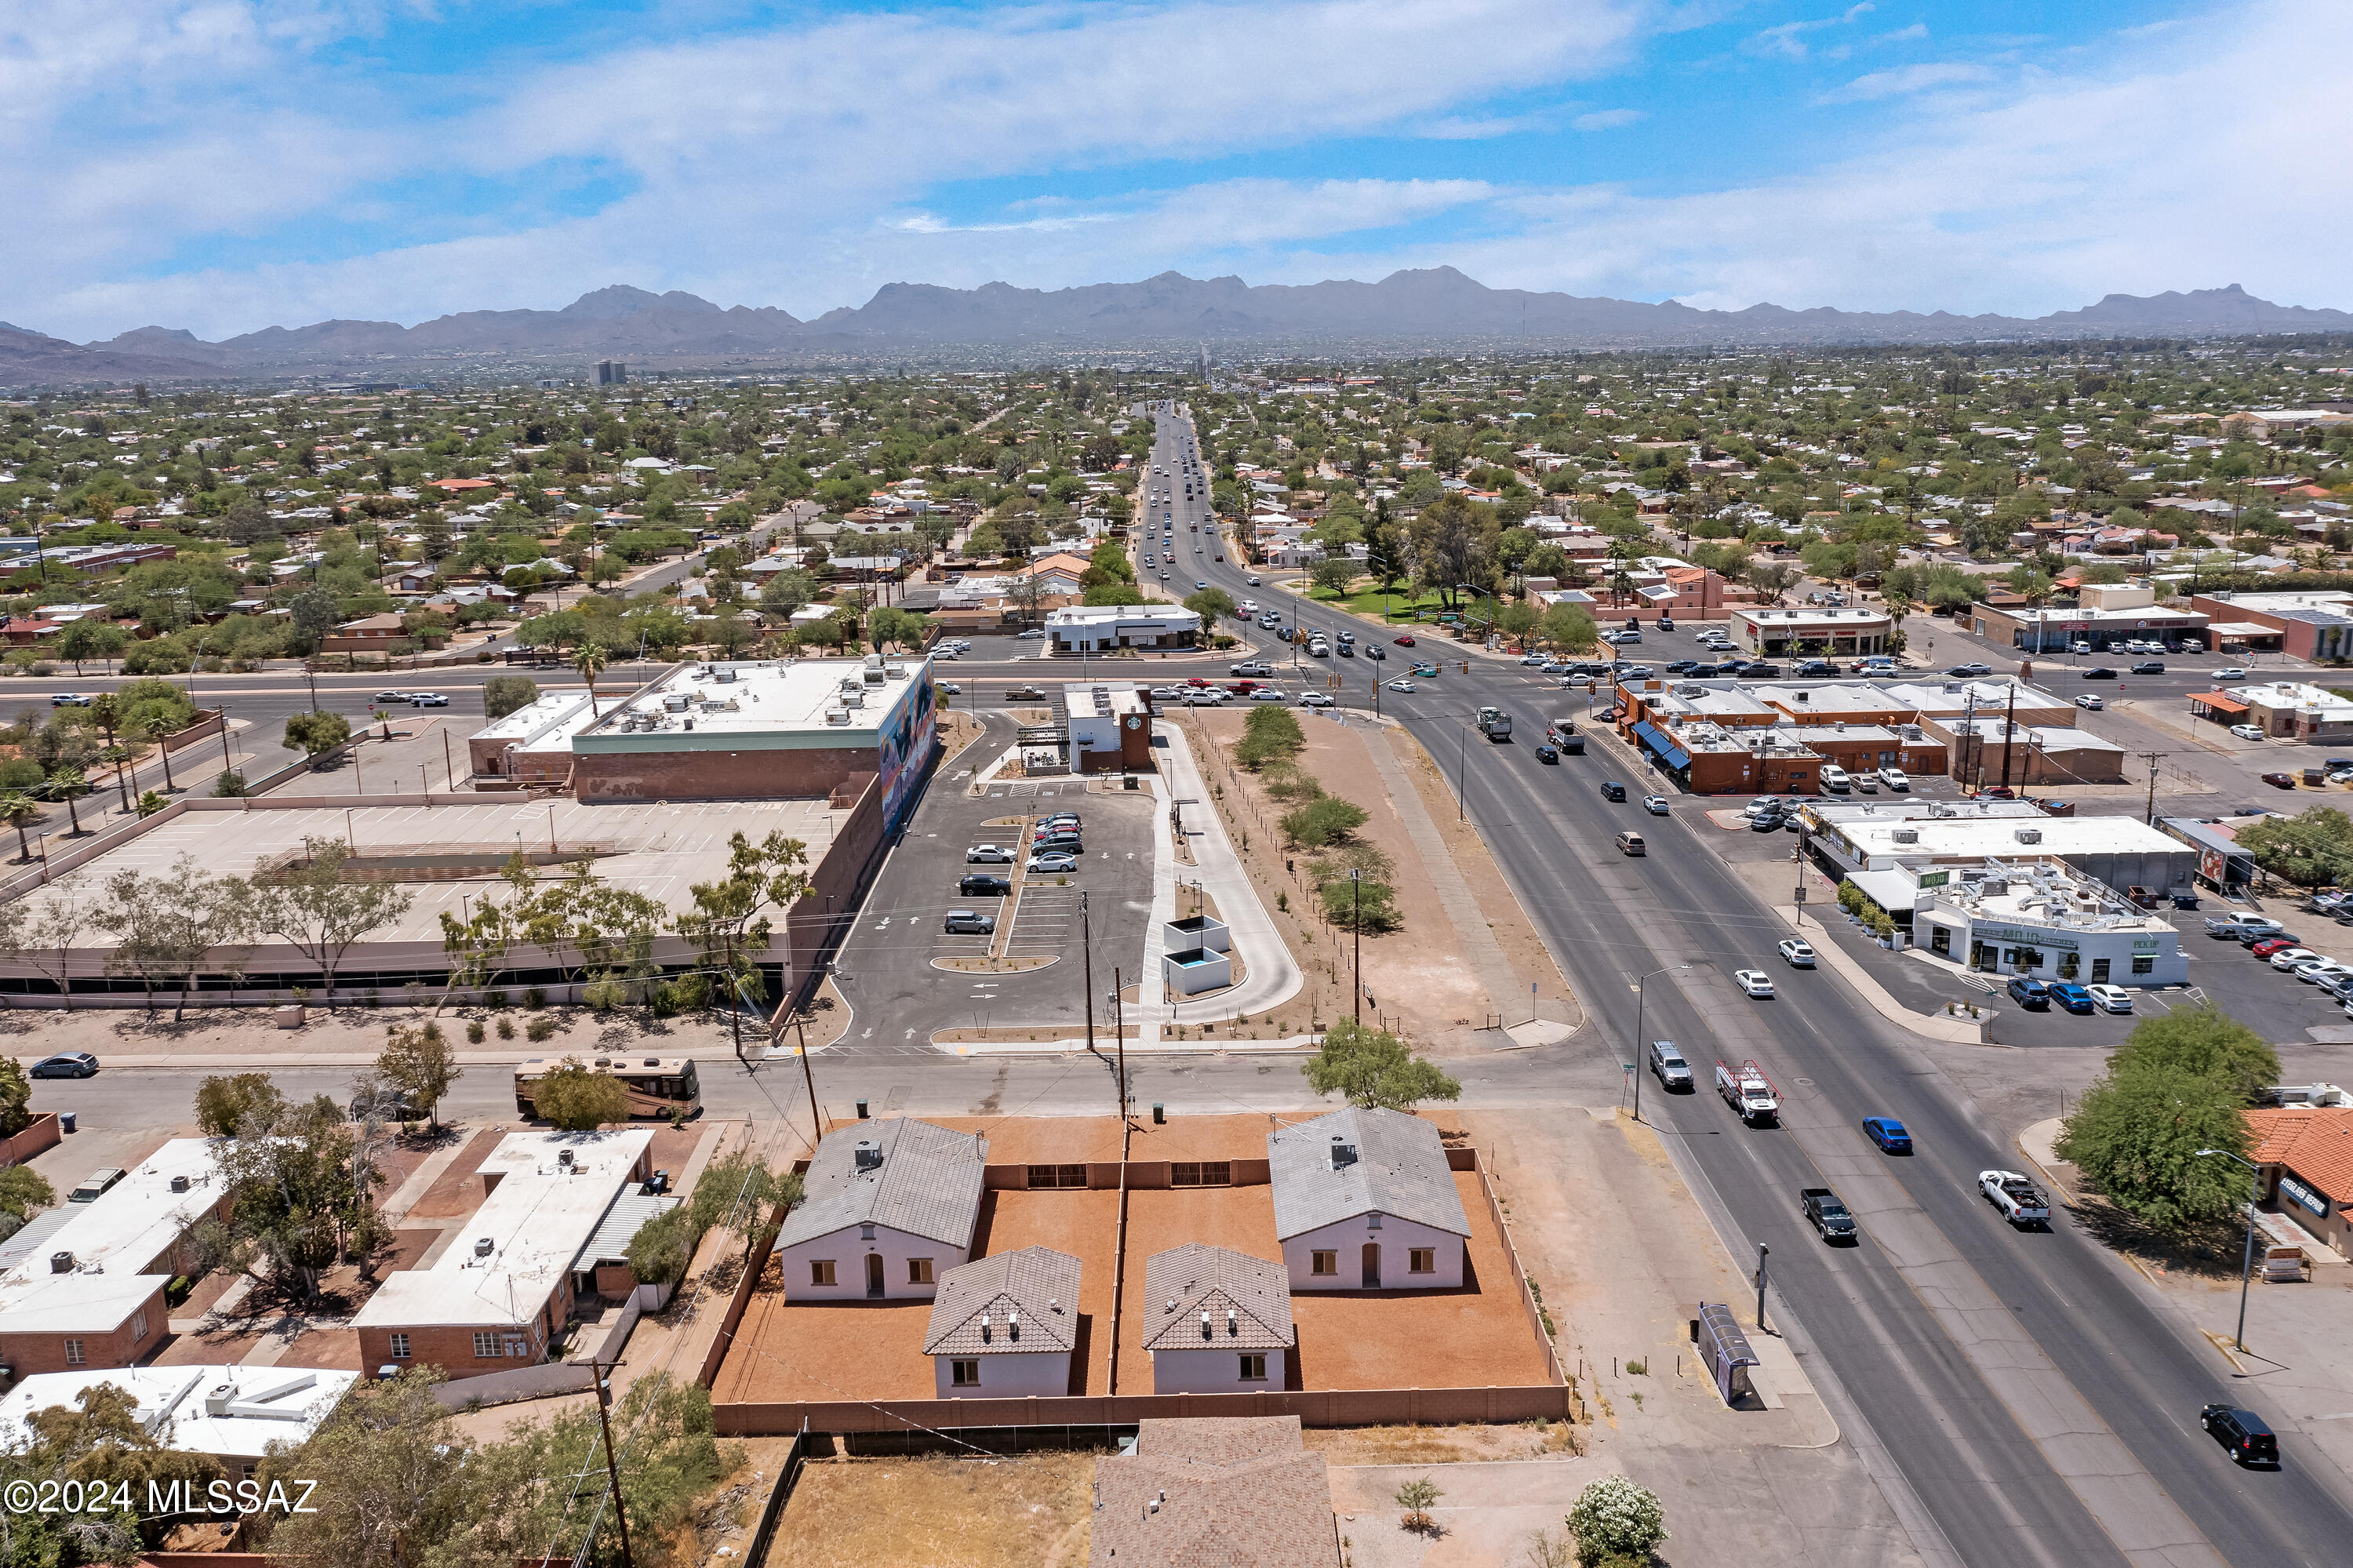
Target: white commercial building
{"points": [[2122, 851], [2041, 919], [1095, 627], [1809, 630]]}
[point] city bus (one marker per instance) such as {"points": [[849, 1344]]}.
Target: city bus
{"points": [[657, 1086]]}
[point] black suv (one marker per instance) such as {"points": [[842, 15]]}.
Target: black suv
{"points": [[1613, 790], [979, 884], [2149, 667], [2242, 1432]]}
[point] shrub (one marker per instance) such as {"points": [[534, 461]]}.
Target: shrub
{"points": [[534, 1000], [506, 1028], [578, 1098], [540, 1028], [1615, 1517], [475, 1032], [1326, 821]]}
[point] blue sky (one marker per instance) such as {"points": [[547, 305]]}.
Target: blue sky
{"points": [[229, 164]]}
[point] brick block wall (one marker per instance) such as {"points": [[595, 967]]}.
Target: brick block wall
{"points": [[715, 775], [26, 1354]]}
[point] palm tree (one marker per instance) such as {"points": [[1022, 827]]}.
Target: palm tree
{"points": [[1898, 606], [17, 809], [589, 659], [70, 784]]}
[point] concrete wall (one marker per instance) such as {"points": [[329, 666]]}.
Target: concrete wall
{"points": [[1337, 1407], [1397, 1238], [849, 1252], [1045, 1374], [748, 774], [1214, 1369]]}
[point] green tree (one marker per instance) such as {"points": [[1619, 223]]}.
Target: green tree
{"points": [[2203, 1040], [739, 1193], [1418, 1497], [576, 1097], [590, 658], [1112, 593], [1333, 574], [301, 1194], [15, 1098], [313, 733], [504, 695], [1567, 628], [419, 1060], [893, 625], [166, 924], [320, 909], [103, 1438], [242, 1103], [729, 924], [1376, 1070], [2312, 849], [664, 1245], [1327, 820], [397, 1481], [90, 639], [1614, 1517], [1212, 605], [2136, 1133], [1269, 736], [24, 1192], [313, 612], [17, 809]]}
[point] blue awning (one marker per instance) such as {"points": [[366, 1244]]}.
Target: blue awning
{"points": [[1675, 756]]}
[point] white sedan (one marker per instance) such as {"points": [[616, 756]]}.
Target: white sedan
{"points": [[2287, 958], [987, 854], [2247, 731], [2091, 702], [2321, 971], [2232, 673], [1799, 954], [1756, 982], [2110, 998], [1267, 694], [951, 689], [1053, 863], [1402, 684]]}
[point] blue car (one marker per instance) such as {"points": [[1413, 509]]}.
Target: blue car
{"points": [[2071, 996], [1888, 1133], [2028, 991]]}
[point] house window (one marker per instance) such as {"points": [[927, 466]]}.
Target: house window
{"points": [[139, 1325], [1058, 1175], [74, 1357], [1254, 1369], [1201, 1173], [1421, 1260], [1373, 1223], [919, 1271], [2145, 964], [822, 1271], [514, 1346], [400, 1346], [866, 1232], [486, 1344], [1324, 1263], [965, 1374]]}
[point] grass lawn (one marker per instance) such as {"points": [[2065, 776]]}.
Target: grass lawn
{"points": [[1398, 606]]}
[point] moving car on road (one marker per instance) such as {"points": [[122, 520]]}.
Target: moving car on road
{"points": [[1612, 790], [1888, 1133], [1754, 982], [2232, 673], [1667, 1065], [1829, 1217], [2280, 780], [1797, 953], [64, 1065], [1966, 670], [428, 700], [2018, 1199], [2246, 1434]]}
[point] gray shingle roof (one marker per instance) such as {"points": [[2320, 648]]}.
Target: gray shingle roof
{"points": [[1031, 1298], [1399, 1169], [1218, 1280], [1177, 1504], [927, 1183]]}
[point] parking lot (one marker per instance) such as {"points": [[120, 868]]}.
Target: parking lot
{"points": [[888, 968]]}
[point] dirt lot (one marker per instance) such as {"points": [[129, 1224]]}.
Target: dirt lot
{"points": [[939, 1512], [1419, 973]]}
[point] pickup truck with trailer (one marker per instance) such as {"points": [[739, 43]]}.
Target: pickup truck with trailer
{"points": [[1494, 723], [2237, 927], [1829, 1217], [1747, 1090], [2019, 1200]]}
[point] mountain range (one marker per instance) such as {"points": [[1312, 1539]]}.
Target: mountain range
{"points": [[1435, 309]]}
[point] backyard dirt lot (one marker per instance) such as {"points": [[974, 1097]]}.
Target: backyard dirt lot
{"points": [[1032, 1511]]}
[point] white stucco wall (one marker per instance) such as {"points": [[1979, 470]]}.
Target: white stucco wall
{"points": [[849, 1252], [1044, 1375], [1212, 1371], [1397, 1238]]}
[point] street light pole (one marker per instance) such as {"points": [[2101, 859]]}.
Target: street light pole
{"points": [[1642, 995], [1761, 1250], [2247, 1263]]}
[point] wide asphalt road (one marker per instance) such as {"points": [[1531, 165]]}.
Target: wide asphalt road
{"points": [[1923, 1322]]}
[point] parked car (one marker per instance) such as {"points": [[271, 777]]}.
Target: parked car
{"points": [[64, 1065], [1768, 821], [1895, 779], [2280, 780], [2110, 998], [1053, 863], [2071, 996], [1835, 778], [1798, 954], [1888, 1133], [2249, 1440], [2028, 991], [979, 884], [970, 922], [95, 1185], [1754, 982], [2268, 938], [2286, 958], [2247, 731], [987, 854]]}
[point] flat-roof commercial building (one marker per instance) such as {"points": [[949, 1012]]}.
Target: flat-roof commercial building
{"points": [[232, 1413], [504, 1290], [2313, 625], [1987, 751], [2107, 615], [82, 1284], [2288, 710], [1111, 727], [2121, 852], [533, 744], [1808, 629], [1093, 627], [764, 730], [2043, 918], [1707, 758]]}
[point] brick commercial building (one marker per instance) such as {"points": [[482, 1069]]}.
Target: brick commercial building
{"points": [[2315, 626], [504, 1289], [1984, 750], [82, 1284], [2285, 710], [533, 744], [2107, 615], [766, 730]]}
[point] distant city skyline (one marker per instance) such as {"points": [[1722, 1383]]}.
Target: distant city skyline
{"points": [[227, 166]]}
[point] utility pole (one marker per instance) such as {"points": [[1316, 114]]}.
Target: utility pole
{"points": [[1119, 1029], [2150, 757], [816, 1127], [1087, 978], [612, 1470], [1356, 880]]}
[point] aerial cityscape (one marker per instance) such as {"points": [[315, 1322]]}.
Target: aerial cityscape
{"points": [[899, 785]]}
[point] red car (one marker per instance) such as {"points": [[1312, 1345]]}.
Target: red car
{"points": [[2280, 780], [2270, 945], [1402, 642]]}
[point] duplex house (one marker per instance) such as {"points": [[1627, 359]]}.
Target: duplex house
{"points": [[1363, 1200], [1216, 1320], [1004, 1327], [890, 1207]]}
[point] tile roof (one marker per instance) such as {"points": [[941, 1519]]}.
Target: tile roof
{"points": [[1235, 1492], [2314, 1142], [1399, 1169], [1248, 1300], [927, 1183], [1030, 1297]]}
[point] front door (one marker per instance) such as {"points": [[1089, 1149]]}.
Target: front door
{"points": [[1372, 1265], [873, 1274]]}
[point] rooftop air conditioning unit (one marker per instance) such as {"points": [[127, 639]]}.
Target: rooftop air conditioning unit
{"points": [[1906, 835], [219, 1397], [837, 715], [563, 1159], [723, 675], [61, 1263], [2030, 835], [484, 1246], [179, 1183], [867, 1155], [1343, 1155]]}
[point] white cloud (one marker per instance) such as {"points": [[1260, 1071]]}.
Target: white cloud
{"points": [[1609, 119], [1907, 79], [1788, 40]]}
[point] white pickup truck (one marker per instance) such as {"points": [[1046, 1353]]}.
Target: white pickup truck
{"points": [[1746, 1089], [2019, 1200]]}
